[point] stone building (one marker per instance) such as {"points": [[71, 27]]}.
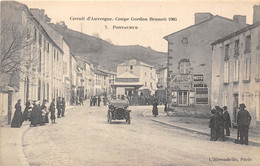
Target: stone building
{"points": [[193, 44], [37, 56], [145, 72], [236, 70]]}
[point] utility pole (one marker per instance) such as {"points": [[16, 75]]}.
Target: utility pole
{"points": [[168, 91]]}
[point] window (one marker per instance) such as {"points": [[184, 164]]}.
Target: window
{"points": [[236, 71], [224, 99], [44, 44], [248, 44], [40, 39], [236, 47], [184, 67], [144, 73], [48, 91], [131, 67], [248, 68], [40, 61], [145, 84], [151, 68], [151, 85], [54, 53], [151, 75], [226, 51], [258, 68], [48, 47], [35, 33], [226, 73], [183, 98], [39, 89]]}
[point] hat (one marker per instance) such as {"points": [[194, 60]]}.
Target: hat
{"points": [[225, 107], [242, 105], [217, 107]]}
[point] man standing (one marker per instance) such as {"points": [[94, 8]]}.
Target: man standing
{"points": [[220, 123], [243, 121], [52, 110], [59, 106], [99, 99], [227, 122], [63, 103], [213, 125]]}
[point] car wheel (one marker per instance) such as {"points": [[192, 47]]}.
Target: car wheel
{"points": [[128, 121], [110, 117]]}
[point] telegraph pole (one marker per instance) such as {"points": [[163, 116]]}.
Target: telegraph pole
{"points": [[168, 92]]}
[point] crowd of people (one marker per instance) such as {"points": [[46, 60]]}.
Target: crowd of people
{"points": [[37, 113], [96, 100], [220, 123]]}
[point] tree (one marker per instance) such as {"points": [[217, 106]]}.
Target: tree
{"points": [[17, 51]]}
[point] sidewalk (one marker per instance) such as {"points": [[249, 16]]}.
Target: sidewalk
{"points": [[11, 150], [200, 126]]}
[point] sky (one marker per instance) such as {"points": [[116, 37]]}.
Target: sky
{"points": [[178, 15]]}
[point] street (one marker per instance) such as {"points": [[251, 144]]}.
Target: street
{"points": [[84, 137]]}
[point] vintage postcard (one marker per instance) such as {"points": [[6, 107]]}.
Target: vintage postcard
{"points": [[135, 83]]}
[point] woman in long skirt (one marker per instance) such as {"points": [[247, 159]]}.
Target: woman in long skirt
{"points": [[18, 116], [26, 110]]}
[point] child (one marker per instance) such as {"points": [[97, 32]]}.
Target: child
{"points": [[213, 126]]}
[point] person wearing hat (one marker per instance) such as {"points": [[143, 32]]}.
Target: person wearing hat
{"points": [[227, 121], [243, 121], [18, 116], [220, 123], [213, 125]]}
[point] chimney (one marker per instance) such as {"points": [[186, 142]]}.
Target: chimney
{"points": [[38, 13], [240, 19], [256, 15], [200, 17]]}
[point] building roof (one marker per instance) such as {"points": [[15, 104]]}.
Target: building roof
{"points": [[32, 18], [194, 25], [127, 84], [98, 72], [236, 33], [134, 62], [54, 35], [127, 75], [107, 71]]}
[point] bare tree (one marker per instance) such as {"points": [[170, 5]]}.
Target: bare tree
{"points": [[16, 47]]}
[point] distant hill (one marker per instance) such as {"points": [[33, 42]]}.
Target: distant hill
{"points": [[98, 51]]}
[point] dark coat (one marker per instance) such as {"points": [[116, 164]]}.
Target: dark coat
{"points": [[155, 108], [36, 115], [52, 110], [220, 119], [227, 120], [243, 118], [213, 121], [26, 110], [18, 116]]}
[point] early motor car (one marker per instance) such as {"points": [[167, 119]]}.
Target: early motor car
{"points": [[117, 110]]}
